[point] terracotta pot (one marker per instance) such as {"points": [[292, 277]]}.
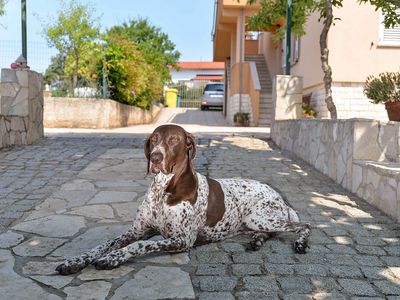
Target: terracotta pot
{"points": [[393, 111]]}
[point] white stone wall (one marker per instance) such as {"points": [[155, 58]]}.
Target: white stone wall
{"points": [[233, 107], [361, 155], [350, 102], [21, 107], [62, 112]]}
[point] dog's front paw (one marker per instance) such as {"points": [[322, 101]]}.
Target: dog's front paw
{"points": [[300, 247], [71, 266], [106, 263]]}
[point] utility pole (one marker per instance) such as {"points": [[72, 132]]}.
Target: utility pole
{"points": [[288, 35], [23, 29]]}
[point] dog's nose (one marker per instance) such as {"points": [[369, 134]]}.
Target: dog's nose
{"points": [[156, 157]]}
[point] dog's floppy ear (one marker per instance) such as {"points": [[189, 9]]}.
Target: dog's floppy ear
{"points": [[191, 145], [147, 152]]}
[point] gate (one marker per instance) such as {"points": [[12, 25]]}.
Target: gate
{"points": [[190, 92]]}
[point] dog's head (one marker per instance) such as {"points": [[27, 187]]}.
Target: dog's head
{"points": [[167, 148]]}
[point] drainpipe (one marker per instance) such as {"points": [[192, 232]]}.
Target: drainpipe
{"points": [[288, 35], [241, 37]]}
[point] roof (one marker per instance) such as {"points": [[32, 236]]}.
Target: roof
{"points": [[208, 77], [201, 65]]}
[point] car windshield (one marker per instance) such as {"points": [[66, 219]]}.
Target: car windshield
{"points": [[214, 88]]}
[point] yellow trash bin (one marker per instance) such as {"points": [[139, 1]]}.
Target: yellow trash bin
{"points": [[171, 97]]}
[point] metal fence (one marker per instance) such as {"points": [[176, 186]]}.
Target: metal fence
{"points": [[39, 54], [190, 92]]}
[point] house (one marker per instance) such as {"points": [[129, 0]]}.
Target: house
{"points": [[359, 46], [198, 70]]}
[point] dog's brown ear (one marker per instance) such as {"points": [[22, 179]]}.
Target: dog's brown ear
{"points": [[191, 145], [147, 152]]}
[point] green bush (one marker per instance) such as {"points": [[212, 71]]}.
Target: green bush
{"points": [[307, 110], [384, 88]]}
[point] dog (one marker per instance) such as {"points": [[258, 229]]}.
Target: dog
{"points": [[188, 209]]}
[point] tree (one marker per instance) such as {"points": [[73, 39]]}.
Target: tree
{"points": [[271, 11], [155, 45], [130, 78], [2, 7], [73, 34]]}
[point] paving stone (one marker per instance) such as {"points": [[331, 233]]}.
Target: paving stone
{"points": [[40, 268], [88, 291], [113, 197], [126, 211], [91, 238], [216, 296], [211, 269], [341, 249], [325, 284], [246, 269], [53, 226], [280, 259], [260, 284], [311, 269], [176, 258], [248, 258], [388, 287], [10, 239], [14, 286], [217, 283], [280, 269], [370, 250], [55, 281], [213, 257], [296, 296], [38, 246], [233, 247], [357, 287], [156, 283], [246, 295], [295, 285], [368, 260], [346, 271], [393, 261], [93, 211], [90, 273]]}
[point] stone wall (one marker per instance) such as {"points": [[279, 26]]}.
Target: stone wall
{"points": [[234, 107], [60, 112], [350, 102], [21, 107], [362, 155]]}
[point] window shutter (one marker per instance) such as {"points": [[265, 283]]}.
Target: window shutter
{"points": [[389, 36]]}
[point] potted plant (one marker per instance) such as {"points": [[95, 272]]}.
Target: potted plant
{"points": [[307, 111], [241, 119], [385, 89]]}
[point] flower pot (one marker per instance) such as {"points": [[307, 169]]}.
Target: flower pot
{"points": [[393, 110]]}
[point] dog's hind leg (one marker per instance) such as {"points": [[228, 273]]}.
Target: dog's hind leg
{"points": [[258, 239]]}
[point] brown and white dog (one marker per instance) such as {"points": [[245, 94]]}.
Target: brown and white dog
{"points": [[187, 208]]}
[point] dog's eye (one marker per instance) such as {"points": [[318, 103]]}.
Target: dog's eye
{"points": [[173, 140], [154, 138]]}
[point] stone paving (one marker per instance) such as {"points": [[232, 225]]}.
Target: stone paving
{"points": [[76, 192]]}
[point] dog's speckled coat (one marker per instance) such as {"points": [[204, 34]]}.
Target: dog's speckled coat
{"points": [[250, 207]]}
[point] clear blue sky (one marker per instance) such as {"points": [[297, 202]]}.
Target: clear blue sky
{"points": [[188, 24]]}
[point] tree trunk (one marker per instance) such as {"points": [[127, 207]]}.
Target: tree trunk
{"points": [[323, 43], [76, 68]]}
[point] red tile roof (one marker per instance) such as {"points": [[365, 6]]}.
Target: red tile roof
{"points": [[201, 65]]}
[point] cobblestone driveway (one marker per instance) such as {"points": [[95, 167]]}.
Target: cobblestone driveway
{"points": [[65, 195]]}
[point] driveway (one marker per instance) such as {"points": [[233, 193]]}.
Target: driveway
{"points": [[70, 191]]}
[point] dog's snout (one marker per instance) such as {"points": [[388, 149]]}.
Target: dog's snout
{"points": [[156, 157]]}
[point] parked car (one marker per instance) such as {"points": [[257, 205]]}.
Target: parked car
{"points": [[213, 95]]}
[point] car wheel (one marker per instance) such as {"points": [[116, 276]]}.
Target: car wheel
{"points": [[203, 107]]}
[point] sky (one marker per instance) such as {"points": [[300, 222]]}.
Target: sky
{"points": [[188, 24]]}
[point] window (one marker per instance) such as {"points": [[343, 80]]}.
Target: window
{"points": [[388, 36]]}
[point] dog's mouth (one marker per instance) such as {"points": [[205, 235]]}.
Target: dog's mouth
{"points": [[157, 168]]}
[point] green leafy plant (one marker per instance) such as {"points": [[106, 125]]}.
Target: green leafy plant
{"points": [[308, 111], [241, 118], [383, 88]]}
